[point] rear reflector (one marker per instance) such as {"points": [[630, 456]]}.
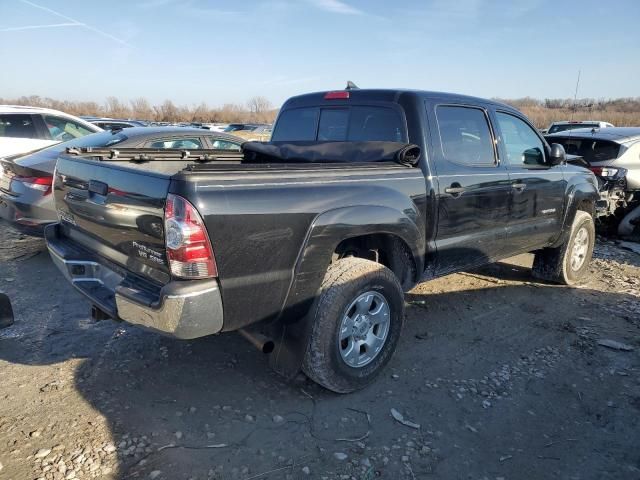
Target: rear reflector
{"points": [[188, 248], [338, 95]]}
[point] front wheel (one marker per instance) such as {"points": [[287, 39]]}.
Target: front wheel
{"points": [[569, 263], [357, 322]]}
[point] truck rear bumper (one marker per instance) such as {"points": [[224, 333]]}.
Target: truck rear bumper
{"points": [[181, 309]]}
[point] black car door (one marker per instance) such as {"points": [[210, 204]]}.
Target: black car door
{"points": [[538, 189], [474, 188]]}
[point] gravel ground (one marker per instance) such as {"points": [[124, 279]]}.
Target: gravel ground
{"points": [[496, 377]]}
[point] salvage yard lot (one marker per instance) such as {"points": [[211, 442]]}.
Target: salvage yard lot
{"points": [[503, 374]]}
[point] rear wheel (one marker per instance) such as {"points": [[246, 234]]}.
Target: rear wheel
{"points": [[569, 263], [356, 326]]}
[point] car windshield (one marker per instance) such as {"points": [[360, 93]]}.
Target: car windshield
{"points": [[571, 126], [592, 150]]}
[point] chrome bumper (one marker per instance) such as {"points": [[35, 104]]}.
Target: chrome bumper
{"points": [[182, 309]]}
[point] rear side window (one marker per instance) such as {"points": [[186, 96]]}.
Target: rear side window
{"points": [[590, 149], [17, 126], [224, 145], [187, 143], [351, 124], [64, 129], [465, 135]]}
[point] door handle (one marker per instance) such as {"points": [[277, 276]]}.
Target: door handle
{"points": [[519, 186], [455, 190]]}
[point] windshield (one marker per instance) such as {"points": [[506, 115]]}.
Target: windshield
{"points": [[571, 126], [340, 124], [590, 149]]}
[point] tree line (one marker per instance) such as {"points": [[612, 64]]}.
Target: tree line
{"points": [[257, 109], [619, 111], [622, 112]]}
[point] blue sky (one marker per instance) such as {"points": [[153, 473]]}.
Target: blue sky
{"points": [[220, 52]]}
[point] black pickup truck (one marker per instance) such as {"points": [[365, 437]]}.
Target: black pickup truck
{"points": [[306, 244]]}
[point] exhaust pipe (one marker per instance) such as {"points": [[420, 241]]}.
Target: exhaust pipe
{"points": [[261, 342]]}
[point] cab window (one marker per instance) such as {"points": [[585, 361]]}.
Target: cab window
{"points": [[523, 147], [465, 135], [340, 124]]}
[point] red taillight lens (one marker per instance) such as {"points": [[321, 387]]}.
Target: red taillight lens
{"points": [[188, 247], [596, 170], [42, 184], [338, 95]]}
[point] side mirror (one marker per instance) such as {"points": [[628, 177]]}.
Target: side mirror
{"points": [[557, 155]]}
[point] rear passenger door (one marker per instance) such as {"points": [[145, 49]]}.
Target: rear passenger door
{"points": [[20, 133], [538, 189], [474, 188]]}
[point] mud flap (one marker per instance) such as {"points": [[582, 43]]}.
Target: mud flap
{"points": [[291, 341], [6, 311]]}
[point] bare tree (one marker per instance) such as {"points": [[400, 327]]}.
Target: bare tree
{"points": [[141, 109], [167, 112], [116, 109], [258, 108]]}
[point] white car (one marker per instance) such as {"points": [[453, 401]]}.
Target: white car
{"points": [[557, 127], [24, 129]]}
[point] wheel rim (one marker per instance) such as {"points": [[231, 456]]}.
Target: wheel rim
{"points": [[580, 249], [364, 329]]}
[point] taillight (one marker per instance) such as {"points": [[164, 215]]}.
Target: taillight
{"points": [[188, 247], [605, 172], [42, 184]]}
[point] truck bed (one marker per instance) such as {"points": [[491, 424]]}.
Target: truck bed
{"points": [[258, 217]]}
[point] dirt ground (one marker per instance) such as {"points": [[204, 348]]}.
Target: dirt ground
{"points": [[504, 376]]}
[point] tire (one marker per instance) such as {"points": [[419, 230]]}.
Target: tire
{"points": [[561, 265], [353, 288]]}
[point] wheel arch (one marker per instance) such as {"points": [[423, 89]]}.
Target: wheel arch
{"points": [[395, 234]]}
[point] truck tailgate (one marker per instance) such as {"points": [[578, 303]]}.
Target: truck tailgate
{"points": [[115, 211]]}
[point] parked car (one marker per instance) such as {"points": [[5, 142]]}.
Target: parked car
{"points": [[557, 127], [215, 127], [305, 245], [251, 131], [24, 129], [26, 181], [613, 154], [116, 124]]}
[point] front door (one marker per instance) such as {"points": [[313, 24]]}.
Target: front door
{"points": [[538, 188], [474, 189]]}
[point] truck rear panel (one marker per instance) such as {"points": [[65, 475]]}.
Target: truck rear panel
{"points": [[115, 211]]}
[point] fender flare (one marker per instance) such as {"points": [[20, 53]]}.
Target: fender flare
{"points": [[331, 228], [577, 194]]}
